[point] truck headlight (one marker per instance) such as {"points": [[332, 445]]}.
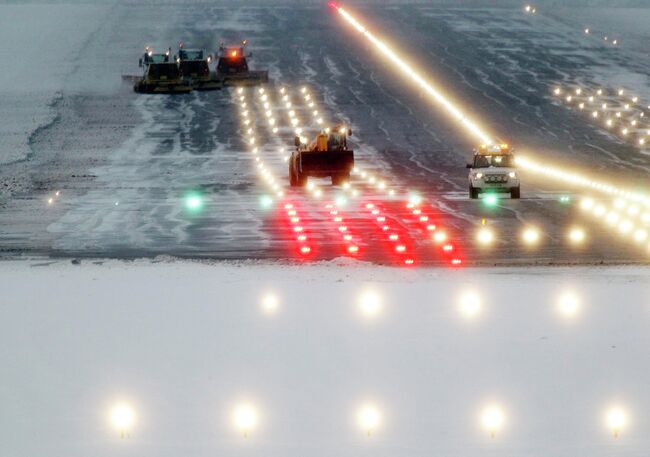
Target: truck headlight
{"points": [[512, 174]]}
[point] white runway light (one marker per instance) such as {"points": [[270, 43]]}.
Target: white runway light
{"points": [[568, 305], [122, 419], [369, 419], [492, 419], [370, 303], [245, 418], [270, 303], [616, 420], [470, 304], [406, 69]]}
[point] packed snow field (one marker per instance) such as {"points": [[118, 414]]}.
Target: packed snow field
{"points": [[185, 343], [122, 164]]}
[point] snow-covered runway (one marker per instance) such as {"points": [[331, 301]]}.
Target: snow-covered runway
{"points": [[185, 343]]}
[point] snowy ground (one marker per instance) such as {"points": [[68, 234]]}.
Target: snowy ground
{"points": [[184, 343]]}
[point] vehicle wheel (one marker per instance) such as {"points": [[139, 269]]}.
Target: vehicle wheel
{"points": [[515, 192], [473, 192]]}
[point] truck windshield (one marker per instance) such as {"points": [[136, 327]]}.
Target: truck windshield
{"points": [[190, 55], [485, 161], [168, 70]]}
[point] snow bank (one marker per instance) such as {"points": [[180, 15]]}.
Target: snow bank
{"points": [[41, 46], [185, 342]]}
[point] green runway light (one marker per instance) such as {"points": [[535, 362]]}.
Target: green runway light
{"points": [[266, 201], [194, 202], [491, 200], [564, 199]]}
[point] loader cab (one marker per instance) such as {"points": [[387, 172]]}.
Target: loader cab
{"points": [[149, 57], [163, 71], [193, 63], [232, 59], [338, 138]]}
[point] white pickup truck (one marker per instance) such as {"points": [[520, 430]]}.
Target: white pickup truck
{"points": [[493, 171]]}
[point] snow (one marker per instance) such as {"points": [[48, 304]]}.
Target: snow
{"points": [[186, 342], [35, 39]]}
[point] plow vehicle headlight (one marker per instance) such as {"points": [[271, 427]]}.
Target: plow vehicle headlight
{"points": [[478, 175], [512, 174]]}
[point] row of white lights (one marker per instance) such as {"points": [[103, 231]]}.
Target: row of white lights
{"points": [[246, 416], [530, 236], [251, 140], [627, 220], [605, 108]]}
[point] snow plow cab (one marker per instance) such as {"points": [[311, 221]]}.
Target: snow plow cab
{"points": [[493, 170], [161, 76], [194, 66], [327, 156], [232, 67]]}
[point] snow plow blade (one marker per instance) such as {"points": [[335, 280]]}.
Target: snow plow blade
{"points": [[250, 78], [142, 87], [211, 84]]}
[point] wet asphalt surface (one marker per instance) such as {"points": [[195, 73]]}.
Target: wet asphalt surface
{"points": [[125, 163]]}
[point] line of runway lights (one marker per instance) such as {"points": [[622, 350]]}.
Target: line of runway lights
{"points": [[492, 416], [625, 115], [351, 241], [532, 9], [523, 162], [626, 219], [299, 230], [413, 201]]}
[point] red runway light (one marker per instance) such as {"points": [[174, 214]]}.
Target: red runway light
{"points": [[456, 261], [305, 249], [385, 227], [400, 248], [288, 206], [393, 237], [370, 205], [447, 248], [431, 227], [342, 228], [381, 219], [408, 262], [353, 249], [295, 219], [297, 229], [302, 237]]}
